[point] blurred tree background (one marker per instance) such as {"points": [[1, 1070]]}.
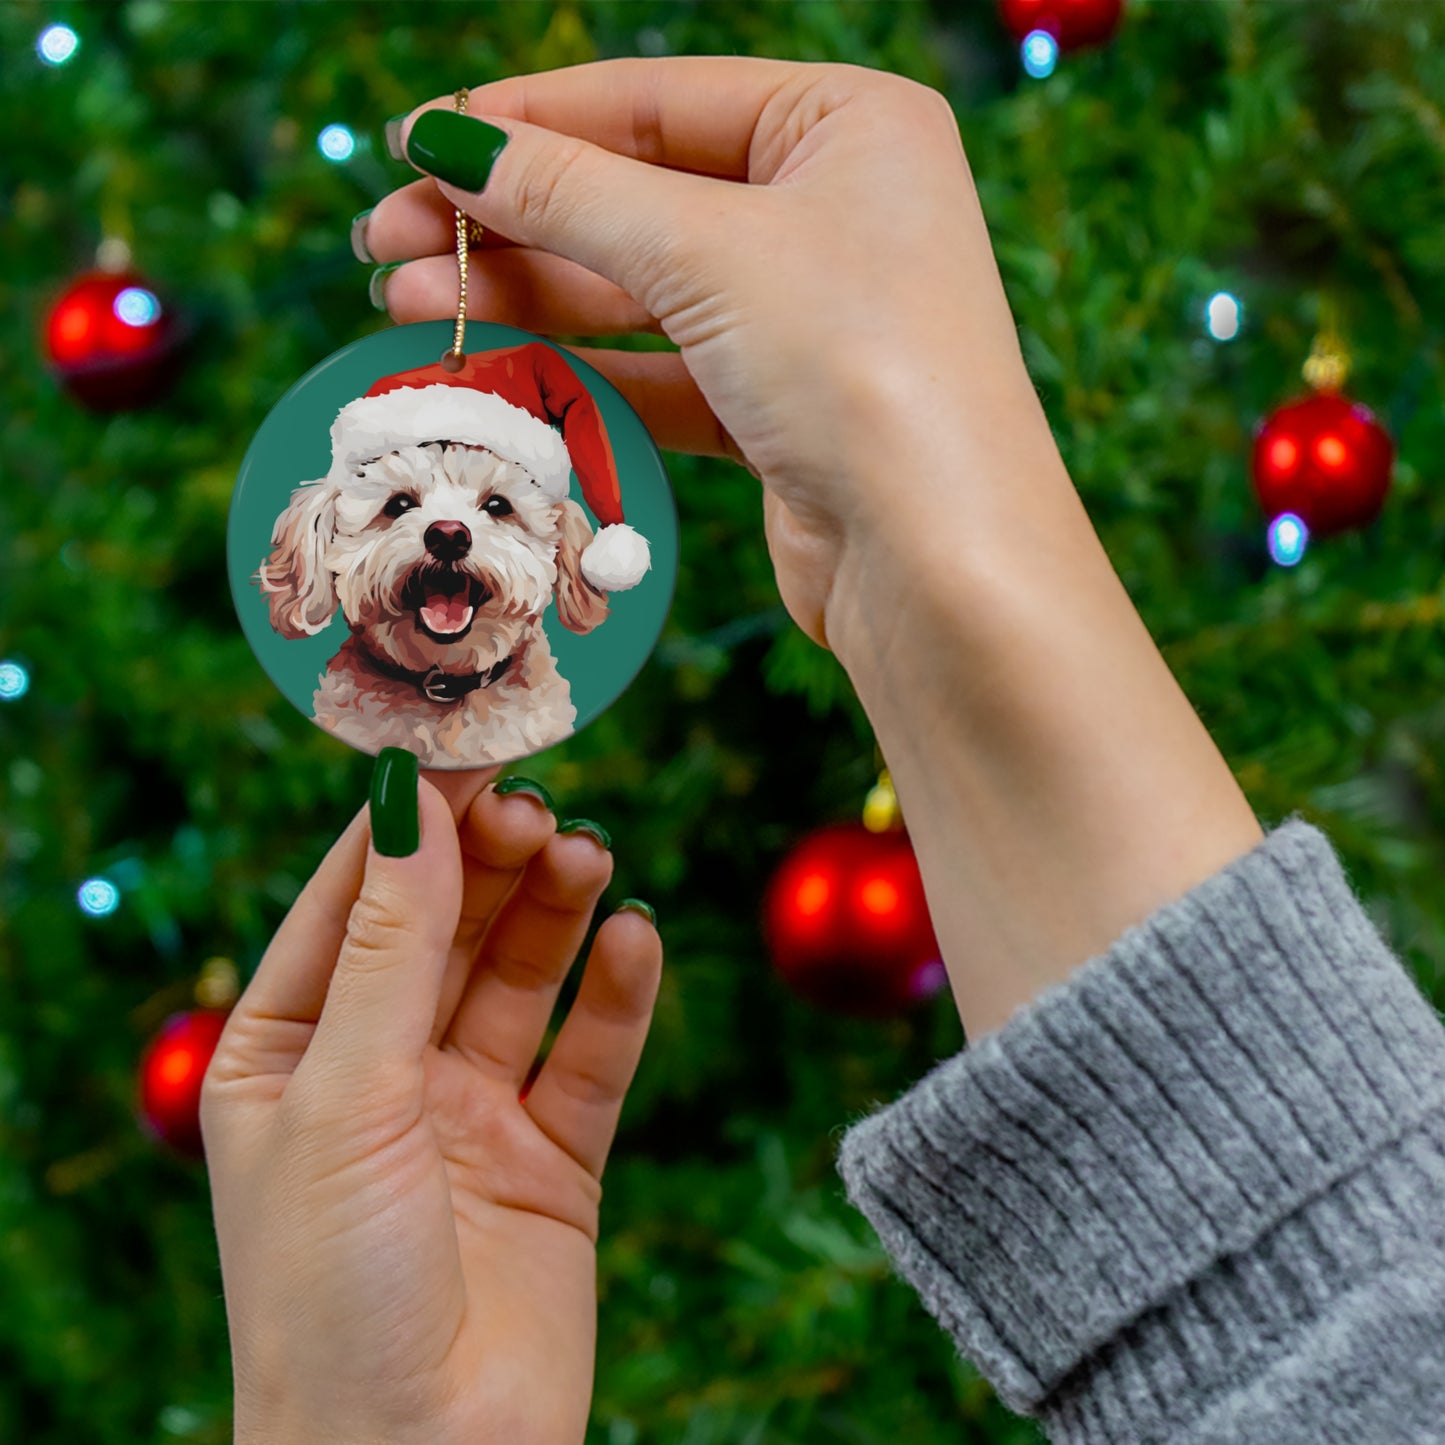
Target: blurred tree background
{"points": [[1286, 153]]}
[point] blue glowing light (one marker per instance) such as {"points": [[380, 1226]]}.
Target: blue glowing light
{"points": [[1040, 53], [98, 897], [57, 44], [1288, 537], [14, 681], [1223, 316], [137, 307], [336, 143]]}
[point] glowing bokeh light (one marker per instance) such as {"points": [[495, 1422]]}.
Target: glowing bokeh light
{"points": [[1223, 316], [98, 897], [812, 895], [137, 307], [57, 44], [879, 897], [336, 143], [1288, 537], [14, 681], [1040, 52]]}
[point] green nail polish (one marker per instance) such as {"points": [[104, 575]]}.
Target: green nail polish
{"points": [[586, 825], [376, 288], [395, 820], [455, 148], [392, 132], [636, 905], [525, 785], [359, 247]]}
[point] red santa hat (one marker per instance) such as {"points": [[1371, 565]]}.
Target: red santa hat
{"points": [[509, 402]]}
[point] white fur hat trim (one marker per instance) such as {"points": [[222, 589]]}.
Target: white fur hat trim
{"points": [[371, 426], [616, 558]]}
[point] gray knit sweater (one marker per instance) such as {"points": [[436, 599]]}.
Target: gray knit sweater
{"points": [[1197, 1191]]}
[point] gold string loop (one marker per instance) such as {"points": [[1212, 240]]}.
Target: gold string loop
{"points": [[469, 233]]}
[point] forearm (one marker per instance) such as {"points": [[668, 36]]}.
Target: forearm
{"points": [[1056, 782]]}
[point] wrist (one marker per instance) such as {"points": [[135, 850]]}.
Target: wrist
{"points": [[1057, 784]]}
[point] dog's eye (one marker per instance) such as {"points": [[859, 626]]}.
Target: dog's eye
{"points": [[398, 504], [498, 507]]}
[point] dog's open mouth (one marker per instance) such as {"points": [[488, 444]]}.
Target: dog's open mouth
{"points": [[444, 602]]}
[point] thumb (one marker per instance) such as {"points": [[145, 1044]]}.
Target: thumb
{"points": [[382, 999], [633, 223]]}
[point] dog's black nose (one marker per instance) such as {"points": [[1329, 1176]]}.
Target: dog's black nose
{"points": [[448, 541]]}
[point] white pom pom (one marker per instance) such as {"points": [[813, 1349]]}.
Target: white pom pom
{"points": [[617, 558]]}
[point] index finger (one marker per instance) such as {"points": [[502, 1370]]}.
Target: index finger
{"points": [[696, 113]]}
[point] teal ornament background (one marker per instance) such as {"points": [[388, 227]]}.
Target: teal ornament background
{"points": [[293, 446]]}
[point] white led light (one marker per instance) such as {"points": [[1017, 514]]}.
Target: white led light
{"points": [[1040, 52], [57, 44], [98, 897], [14, 681], [1288, 537], [137, 307], [1223, 316], [336, 143]]}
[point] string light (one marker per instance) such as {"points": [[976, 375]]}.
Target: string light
{"points": [[1288, 538], [1223, 316], [1040, 52], [336, 143], [98, 897], [57, 44], [14, 681], [137, 307]]}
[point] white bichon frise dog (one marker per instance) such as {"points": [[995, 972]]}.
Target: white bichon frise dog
{"points": [[443, 554]]}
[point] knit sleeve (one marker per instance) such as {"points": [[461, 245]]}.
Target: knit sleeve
{"points": [[1197, 1191]]}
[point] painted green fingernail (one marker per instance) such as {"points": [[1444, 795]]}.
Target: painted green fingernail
{"points": [[395, 821], [392, 132], [455, 148], [359, 248], [636, 905], [586, 825], [526, 785], [376, 288]]}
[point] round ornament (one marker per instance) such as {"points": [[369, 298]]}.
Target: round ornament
{"points": [[1073, 23], [847, 923], [112, 341], [470, 558], [1324, 458], [172, 1070]]}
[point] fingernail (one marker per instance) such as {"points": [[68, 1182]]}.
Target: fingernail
{"points": [[636, 905], [455, 148], [395, 820], [392, 132], [359, 248], [586, 825], [527, 786], [376, 288]]}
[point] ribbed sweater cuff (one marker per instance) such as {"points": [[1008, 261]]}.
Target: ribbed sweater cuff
{"points": [[1147, 1163]]}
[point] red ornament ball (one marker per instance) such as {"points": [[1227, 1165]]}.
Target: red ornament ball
{"points": [[847, 923], [171, 1072], [1073, 23], [1326, 459], [112, 341]]}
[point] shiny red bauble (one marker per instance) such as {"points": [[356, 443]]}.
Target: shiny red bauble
{"points": [[112, 341], [171, 1072], [847, 924], [1073, 23], [1324, 458]]}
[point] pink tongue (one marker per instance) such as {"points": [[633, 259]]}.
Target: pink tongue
{"points": [[446, 613]]}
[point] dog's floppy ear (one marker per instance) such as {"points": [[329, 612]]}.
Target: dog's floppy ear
{"points": [[579, 604], [299, 589]]}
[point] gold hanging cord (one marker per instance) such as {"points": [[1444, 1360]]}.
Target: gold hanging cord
{"points": [[469, 233]]}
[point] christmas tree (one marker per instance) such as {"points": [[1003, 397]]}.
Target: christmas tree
{"points": [[1211, 162]]}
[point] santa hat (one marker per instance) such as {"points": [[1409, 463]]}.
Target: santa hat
{"points": [[506, 401]]}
